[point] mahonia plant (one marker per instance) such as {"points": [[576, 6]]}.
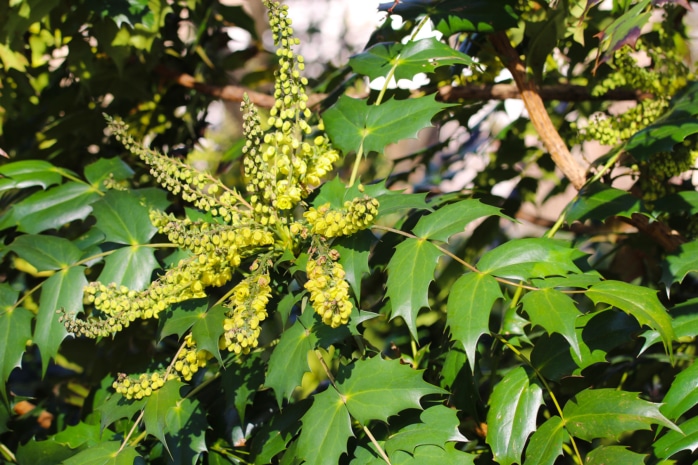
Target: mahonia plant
{"points": [[282, 166]]}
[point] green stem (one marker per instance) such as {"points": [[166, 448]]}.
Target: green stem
{"points": [[557, 225], [7, 453], [357, 163]]}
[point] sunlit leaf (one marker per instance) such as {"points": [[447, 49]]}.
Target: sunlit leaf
{"points": [[430, 455], [680, 263], [353, 256], [157, 408], [208, 329], [117, 407], [598, 202], [130, 266], [106, 453], [326, 429], [555, 312], [546, 443], [439, 425], [179, 317], [683, 393], [187, 424], [123, 219], [452, 219], [605, 455], [625, 30], [107, 168], [46, 252], [684, 322], [15, 331], [27, 173], [676, 441]]}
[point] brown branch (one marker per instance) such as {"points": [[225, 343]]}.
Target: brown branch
{"points": [[563, 92]]}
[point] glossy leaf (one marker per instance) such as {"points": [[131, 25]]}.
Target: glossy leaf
{"points": [[546, 443], [187, 425], [683, 393], [28, 173], [530, 258], [396, 202], [676, 441], [431, 455], [15, 331], [555, 312], [353, 256], [468, 310], [83, 433], [417, 56], [181, 316], [326, 429], [106, 453], [129, 266], [208, 329], [107, 168], [63, 290], [608, 413], [605, 455], [352, 124], [684, 322], [598, 202], [157, 408], [242, 381], [117, 407], [680, 263], [46, 252], [439, 425], [375, 389], [512, 415], [640, 302], [452, 219], [410, 271], [122, 218]]}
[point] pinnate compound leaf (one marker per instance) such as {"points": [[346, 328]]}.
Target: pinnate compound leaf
{"points": [[512, 416], [410, 271], [555, 312], [608, 413], [439, 425], [468, 310], [676, 441], [598, 202], [157, 408], [326, 430], [28, 173], [417, 56], [639, 302], [289, 362], [46, 253], [375, 389], [106, 453], [452, 219], [683, 393], [208, 329], [64, 291], [130, 266], [122, 218], [531, 258], [604, 455], [546, 443], [352, 124]]}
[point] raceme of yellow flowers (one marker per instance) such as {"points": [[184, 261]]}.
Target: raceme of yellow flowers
{"points": [[282, 166]]}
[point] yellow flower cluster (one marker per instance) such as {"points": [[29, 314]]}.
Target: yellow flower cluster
{"points": [[329, 292], [132, 387], [356, 215], [190, 359], [248, 308]]}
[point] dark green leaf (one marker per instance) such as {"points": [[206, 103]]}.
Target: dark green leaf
{"points": [[274, 435], [605, 455], [469, 305], [680, 263], [208, 329], [396, 202], [117, 407], [512, 416], [326, 429], [546, 443], [28, 173], [242, 381], [682, 394], [352, 124], [129, 266], [439, 425], [46, 252], [353, 256], [552, 358], [181, 316], [123, 219], [417, 56], [157, 408], [452, 219], [105, 168], [608, 413], [15, 331], [598, 202], [410, 271], [640, 302], [679, 202], [187, 425], [599, 333], [106, 453], [555, 312], [676, 441]]}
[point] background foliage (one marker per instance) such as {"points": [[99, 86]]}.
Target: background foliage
{"points": [[472, 340]]}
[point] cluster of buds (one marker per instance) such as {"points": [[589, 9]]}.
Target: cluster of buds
{"points": [[248, 308], [356, 215], [143, 385], [329, 291]]}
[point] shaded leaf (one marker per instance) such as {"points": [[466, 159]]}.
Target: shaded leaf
{"points": [[129, 266], [604, 455], [468, 310], [326, 429], [352, 124], [512, 415], [608, 413], [555, 312], [452, 219], [546, 443], [122, 218], [676, 441], [274, 435], [157, 408], [187, 424], [181, 316], [46, 252], [208, 329], [410, 271], [106, 453], [242, 381], [353, 256], [439, 425], [598, 202]]}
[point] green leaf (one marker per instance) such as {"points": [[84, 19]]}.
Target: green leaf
{"points": [[46, 253], [530, 258], [157, 408], [181, 316], [208, 329], [106, 453], [83, 433], [640, 302], [129, 266], [678, 202], [546, 443], [117, 407], [674, 442], [352, 124], [680, 263], [625, 30], [105, 168], [289, 361], [417, 56], [28, 173], [452, 219], [608, 413], [188, 425], [242, 381], [397, 202], [375, 389], [275, 435], [598, 202], [122, 218], [353, 256], [43, 453], [15, 331], [684, 322], [682, 394], [555, 312], [431, 455], [512, 416], [64, 291], [604, 455], [439, 425], [468, 310], [52, 209], [326, 429], [410, 271], [677, 123]]}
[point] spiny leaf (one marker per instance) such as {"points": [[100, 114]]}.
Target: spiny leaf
{"points": [[683, 393], [123, 219], [439, 425], [375, 389], [410, 271], [187, 424], [555, 312], [353, 256], [469, 305], [242, 381], [608, 413], [640, 302], [676, 441], [684, 322], [130, 266], [182, 316], [28, 173], [117, 407], [63, 290], [431, 455], [352, 124], [288, 362], [326, 429], [157, 408], [680, 263], [208, 330], [452, 219], [90, 435], [46, 252], [106, 453], [512, 416], [275, 434], [15, 331], [598, 202], [604, 455], [546, 443], [417, 56]]}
